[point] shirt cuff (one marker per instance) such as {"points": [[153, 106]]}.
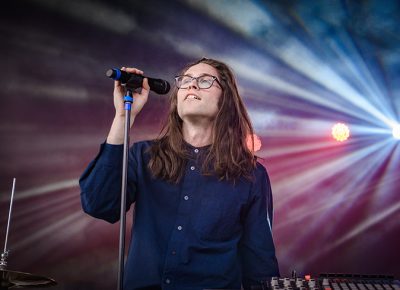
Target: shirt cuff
{"points": [[111, 155]]}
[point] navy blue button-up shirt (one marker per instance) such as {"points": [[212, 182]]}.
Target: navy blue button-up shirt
{"points": [[199, 233]]}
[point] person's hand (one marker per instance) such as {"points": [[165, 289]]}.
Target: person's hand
{"points": [[139, 98], [116, 134]]}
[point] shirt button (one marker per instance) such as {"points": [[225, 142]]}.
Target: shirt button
{"points": [[179, 228], [186, 197], [173, 253], [192, 168], [168, 281], [196, 150]]}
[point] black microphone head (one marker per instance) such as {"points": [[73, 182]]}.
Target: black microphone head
{"points": [[167, 87], [134, 81], [164, 88], [159, 86]]}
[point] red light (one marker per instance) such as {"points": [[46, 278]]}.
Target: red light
{"points": [[340, 132]]}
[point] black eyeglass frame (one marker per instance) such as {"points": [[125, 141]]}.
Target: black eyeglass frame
{"points": [[214, 78]]}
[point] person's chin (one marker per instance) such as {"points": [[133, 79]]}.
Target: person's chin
{"points": [[195, 115]]}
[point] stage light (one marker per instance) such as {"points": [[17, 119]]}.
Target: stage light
{"points": [[396, 131], [253, 143], [340, 132]]}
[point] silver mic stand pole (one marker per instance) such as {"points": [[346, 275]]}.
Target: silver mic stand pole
{"points": [[128, 100]]}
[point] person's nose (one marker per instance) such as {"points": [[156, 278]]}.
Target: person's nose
{"points": [[193, 84]]}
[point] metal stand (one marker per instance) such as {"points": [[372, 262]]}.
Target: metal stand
{"points": [[13, 279], [4, 255], [128, 100]]}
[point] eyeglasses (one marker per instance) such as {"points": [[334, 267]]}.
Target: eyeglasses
{"points": [[203, 82]]}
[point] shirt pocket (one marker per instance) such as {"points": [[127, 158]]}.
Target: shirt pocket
{"points": [[217, 219]]}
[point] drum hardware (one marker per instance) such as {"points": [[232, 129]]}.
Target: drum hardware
{"points": [[14, 279]]}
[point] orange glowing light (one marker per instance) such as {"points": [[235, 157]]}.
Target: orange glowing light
{"points": [[257, 143], [340, 132]]}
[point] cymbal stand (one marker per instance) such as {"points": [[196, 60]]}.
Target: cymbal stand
{"points": [[4, 255]]}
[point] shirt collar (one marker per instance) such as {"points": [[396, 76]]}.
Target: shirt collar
{"points": [[194, 149]]}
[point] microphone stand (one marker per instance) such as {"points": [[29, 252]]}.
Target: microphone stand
{"points": [[128, 100]]}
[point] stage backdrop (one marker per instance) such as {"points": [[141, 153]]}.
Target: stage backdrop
{"points": [[302, 66]]}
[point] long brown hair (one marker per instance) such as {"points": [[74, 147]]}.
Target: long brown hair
{"points": [[229, 157]]}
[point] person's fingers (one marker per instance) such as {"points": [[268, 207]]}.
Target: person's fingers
{"points": [[117, 84], [145, 85], [132, 70]]}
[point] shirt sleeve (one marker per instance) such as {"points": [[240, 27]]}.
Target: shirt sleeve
{"points": [[100, 183], [256, 248]]}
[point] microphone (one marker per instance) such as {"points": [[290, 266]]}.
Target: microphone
{"points": [[134, 81]]}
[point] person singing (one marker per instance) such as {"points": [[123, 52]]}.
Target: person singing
{"points": [[203, 204]]}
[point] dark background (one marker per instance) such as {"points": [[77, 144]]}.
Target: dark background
{"points": [[301, 66]]}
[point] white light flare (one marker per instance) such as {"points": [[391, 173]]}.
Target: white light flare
{"points": [[396, 131]]}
